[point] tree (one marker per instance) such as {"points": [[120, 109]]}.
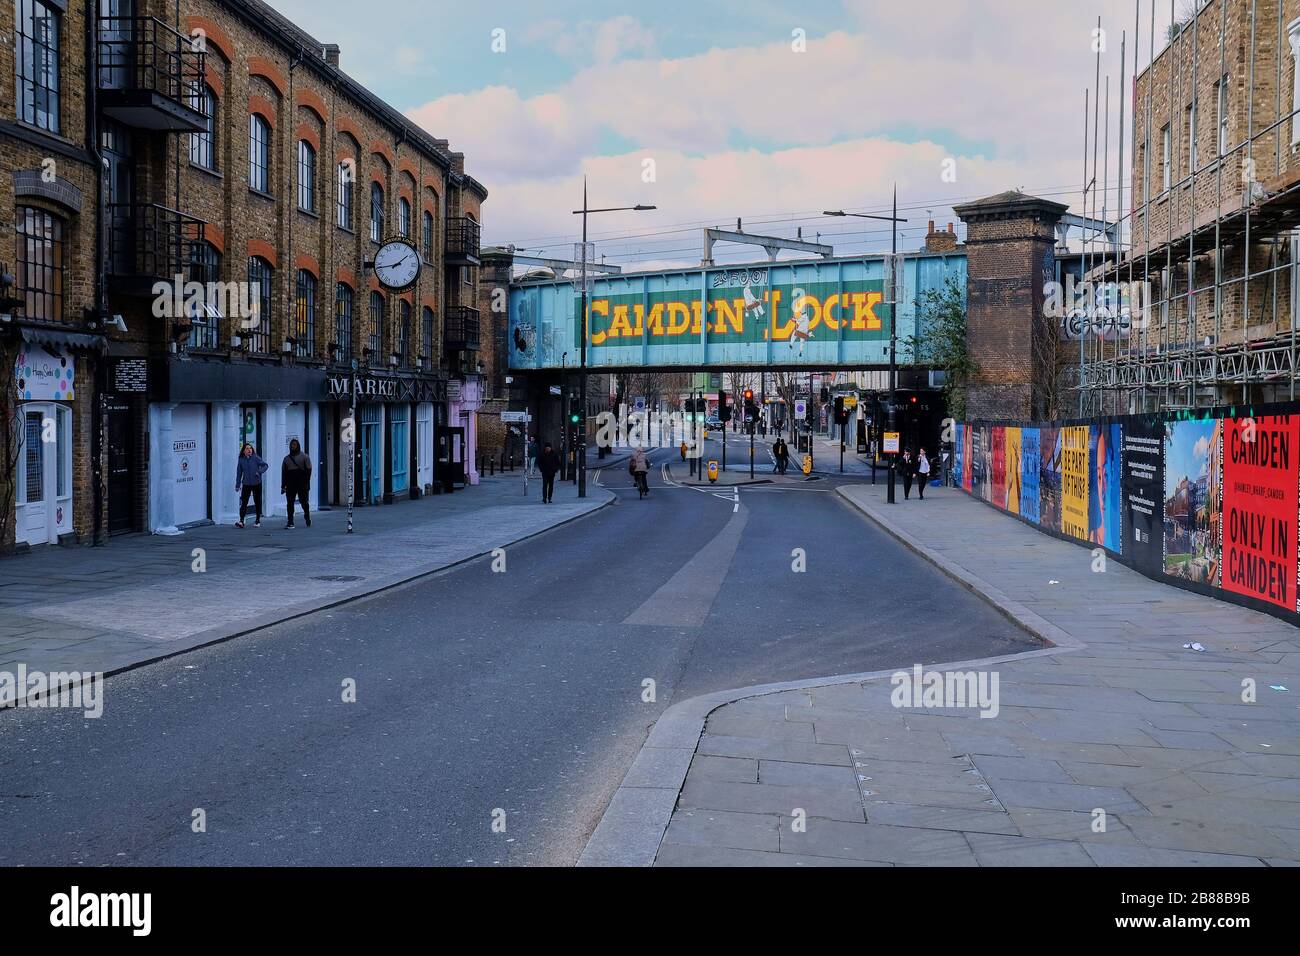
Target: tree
{"points": [[941, 341]]}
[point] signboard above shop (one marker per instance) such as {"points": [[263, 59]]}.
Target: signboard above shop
{"points": [[44, 374]]}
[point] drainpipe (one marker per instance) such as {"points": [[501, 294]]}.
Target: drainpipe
{"points": [[101, 304]]}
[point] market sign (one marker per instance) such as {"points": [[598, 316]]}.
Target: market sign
{"points": [[44, 374]]}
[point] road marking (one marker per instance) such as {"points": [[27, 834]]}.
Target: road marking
{"points": [[596, 476], [684, 600], [735, 489]]}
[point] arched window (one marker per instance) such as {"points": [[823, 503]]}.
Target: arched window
{"points": [[376, 212], [428, 236], [376, 328], [40, 263], [203, 146], [426, 323], [343, 321], [261, 276], [36, 62], [404, 334], [347, 177], [304, 325], [404, 217], [259, 154], [205, 317], [306, 176]]}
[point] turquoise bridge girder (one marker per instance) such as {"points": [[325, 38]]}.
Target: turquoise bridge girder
{"points": [[813, 314]]}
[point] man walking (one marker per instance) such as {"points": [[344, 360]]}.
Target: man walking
{"points": [[905, 468], [530, 456], [295, 479], [922, 473], [548, 463]]}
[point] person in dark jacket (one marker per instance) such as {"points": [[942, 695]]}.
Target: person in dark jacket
{"points": [[295, 479], [907, 468], [548, 463], [249, 470]]}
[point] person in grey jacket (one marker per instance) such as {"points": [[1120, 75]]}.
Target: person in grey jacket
{"points": [[249, 470], [295, 479]]}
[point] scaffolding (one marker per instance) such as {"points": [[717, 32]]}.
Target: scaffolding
{"points": [[1208, 247]]}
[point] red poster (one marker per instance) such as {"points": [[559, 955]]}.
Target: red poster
{"points": [[998, 480], [1259, 507], [967, 456]]}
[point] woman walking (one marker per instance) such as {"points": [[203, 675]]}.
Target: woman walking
{"points": [[922, 473], [248, 483], [295, 479]]}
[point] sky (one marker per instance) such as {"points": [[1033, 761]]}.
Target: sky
{"points": [[770, 111]]}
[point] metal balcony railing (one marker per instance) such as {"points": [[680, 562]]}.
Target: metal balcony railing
{"points": [[150, 75], [460, 330], [148, 242], [462, 241]]}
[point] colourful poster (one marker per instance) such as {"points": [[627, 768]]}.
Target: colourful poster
{"points": [[998, 467], [967, 456], [959, 453], [1049, 478], [1029, 471], [1259, 507], [1105, 526], [1191, 500], [1012, 444], [1074, 481], [978, 444], [1143, 490]]}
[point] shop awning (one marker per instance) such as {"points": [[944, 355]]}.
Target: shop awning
{"points": [[58, 338]]}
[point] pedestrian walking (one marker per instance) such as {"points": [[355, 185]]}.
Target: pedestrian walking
{"points": [[295, 479], [776, 456], [639, 466], [530, 456], [906, 467], [548, 463], [249, 470], [922, 473]]}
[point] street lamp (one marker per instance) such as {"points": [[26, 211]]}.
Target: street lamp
{"points": [[582, 382], [893, 324]]}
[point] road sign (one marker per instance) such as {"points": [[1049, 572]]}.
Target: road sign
{"points": [[638, 403], [516, 417], [850, 401], [713, 470], [555, 390], [800, 408], [890, 446]]}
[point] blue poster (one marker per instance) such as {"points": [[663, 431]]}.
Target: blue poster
{"points": [[1104, 495], [1029, 468]]}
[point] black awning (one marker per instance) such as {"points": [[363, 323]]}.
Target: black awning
{"points": [[58, 338]]}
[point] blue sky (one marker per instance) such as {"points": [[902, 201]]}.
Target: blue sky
{"points": [[766, 110]]}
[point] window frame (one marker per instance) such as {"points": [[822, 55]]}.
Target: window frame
{"points": [[345, 195], [40, 253], [344, 319], [259, 154], [262, 275], [38, 104], [205, 268], [304, 315], [307, 159], [376, 211], [205, 158], [378, 308], [427, 235]]}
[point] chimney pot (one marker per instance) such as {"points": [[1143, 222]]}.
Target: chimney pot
{"points": [[332, 54], [950, 227], [931, 229]]}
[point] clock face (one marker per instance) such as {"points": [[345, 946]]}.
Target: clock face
{"points": [[397, 264]]}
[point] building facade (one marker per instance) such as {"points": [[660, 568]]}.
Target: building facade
{"points": [[215, 285]]}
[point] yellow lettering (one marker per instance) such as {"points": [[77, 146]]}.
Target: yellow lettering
{"points": [[655, 320], [620, 328], [678, 310], [730, 312], [598, 307], [830, 320], [864, 310], [697, 317]]}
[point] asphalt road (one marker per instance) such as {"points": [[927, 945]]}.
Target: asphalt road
{"points": [[516, 696]]}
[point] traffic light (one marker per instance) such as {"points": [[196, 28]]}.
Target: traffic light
{"points": [[841, 413], [573, 418], [749, 396], [724, 410], [826, 395]]}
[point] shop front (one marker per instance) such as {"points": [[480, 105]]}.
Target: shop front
{"points": [[392, 419], [201, 414], [463, 401], [53, 388]]}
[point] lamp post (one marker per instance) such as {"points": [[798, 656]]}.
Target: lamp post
{"points": [[893, 326], [582, 322]]}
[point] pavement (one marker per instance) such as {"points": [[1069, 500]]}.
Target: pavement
{"points": [[1112, 744], [145, 597]]}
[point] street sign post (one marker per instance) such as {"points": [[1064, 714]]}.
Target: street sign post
{"points": [[890, 445]]}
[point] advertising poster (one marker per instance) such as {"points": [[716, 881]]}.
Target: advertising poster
{"points": [[967, 456], [978, 443], [1049, 478], [986, 462], [1104, 496], [998, 466], [1029, 466], [1012, 444], [959, 454], [1259, 507], [1074, 481], [1191, 500], [1143, 490]]}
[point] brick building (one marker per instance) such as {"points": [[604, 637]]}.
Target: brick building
{"points": [[1215, 174], [247, 184]]}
